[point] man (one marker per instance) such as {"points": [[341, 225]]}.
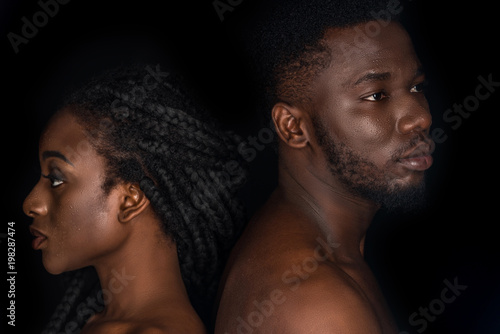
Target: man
{"points": [[353, 126]]}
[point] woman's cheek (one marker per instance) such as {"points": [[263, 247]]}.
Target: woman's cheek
{"points": [[74, 232]]}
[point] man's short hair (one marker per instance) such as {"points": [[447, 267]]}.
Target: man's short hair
{"points": [[286, 41]]}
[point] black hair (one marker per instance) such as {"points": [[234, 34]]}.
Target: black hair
{"points": [[285, 42], [152, 134]]}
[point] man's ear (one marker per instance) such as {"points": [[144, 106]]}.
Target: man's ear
{"points": [[290, 125], [133, 202]]}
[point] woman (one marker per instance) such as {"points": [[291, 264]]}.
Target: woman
{"points": [[135, 183]]}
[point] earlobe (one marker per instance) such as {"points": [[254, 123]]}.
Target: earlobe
{"points": [[289, 125], [133, 203]]}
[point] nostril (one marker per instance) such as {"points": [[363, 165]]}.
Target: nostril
{"points": [[27, 211], [414, 124], [36, 211], [33, 206]]}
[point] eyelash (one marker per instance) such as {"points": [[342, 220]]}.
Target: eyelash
{"points": [[422, 87], [382, 94], [54, 180]]}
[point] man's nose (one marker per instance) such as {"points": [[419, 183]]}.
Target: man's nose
{"points": [[415, 118]]}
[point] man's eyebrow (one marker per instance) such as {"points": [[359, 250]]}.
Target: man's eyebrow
{"points": [[56, 154], [419, 72], [373, 76]]}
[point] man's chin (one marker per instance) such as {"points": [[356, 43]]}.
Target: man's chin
{"points": [[409, 199]]}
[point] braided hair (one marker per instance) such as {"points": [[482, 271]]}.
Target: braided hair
{"points": [[150, 133]]}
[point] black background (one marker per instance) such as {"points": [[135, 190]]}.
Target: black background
{"points": [[455, 237]]}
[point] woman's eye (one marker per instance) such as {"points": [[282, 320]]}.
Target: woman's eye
{"points": [[54, 181], [379, 96]]}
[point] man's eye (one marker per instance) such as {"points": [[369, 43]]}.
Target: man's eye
{"points": [[379, 96], [418, 88]]}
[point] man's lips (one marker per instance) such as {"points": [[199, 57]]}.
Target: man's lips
{"points": [[40, 238], [419, 163], [419, 158]]}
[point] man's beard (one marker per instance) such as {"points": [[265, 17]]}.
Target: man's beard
{"points": [[364, 179]]}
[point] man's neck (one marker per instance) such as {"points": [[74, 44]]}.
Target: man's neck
{"points": [[340, 215]]}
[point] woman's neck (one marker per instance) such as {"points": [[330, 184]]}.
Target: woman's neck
{"points": [[142, 278]]}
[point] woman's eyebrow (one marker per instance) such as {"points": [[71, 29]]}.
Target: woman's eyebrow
{"points": [[56, 154]]}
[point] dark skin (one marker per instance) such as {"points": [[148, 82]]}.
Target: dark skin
{"points": [[76, 224], [300, 262]]}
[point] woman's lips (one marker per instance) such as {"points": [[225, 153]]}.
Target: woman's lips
{"points": [[40, 238]]}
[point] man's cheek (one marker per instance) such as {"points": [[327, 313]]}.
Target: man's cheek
{"points": [[375, 157], [369, 142]]}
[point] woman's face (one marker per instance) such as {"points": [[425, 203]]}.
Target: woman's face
{"points": [[74, 222]]}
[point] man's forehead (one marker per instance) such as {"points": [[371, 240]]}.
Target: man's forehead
{"points": [[354, 53], [352, 43]]}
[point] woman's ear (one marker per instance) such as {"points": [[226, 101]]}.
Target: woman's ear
{"points": [[133, 202], [290, 125]]}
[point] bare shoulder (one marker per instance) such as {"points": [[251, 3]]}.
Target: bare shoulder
{"points": [[101, 327], [306, 295], [167, 329], [323, 301], [284, 279], [143, 327], [326, 301]]}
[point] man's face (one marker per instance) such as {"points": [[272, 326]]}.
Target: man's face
{"points": [[370, 116]]}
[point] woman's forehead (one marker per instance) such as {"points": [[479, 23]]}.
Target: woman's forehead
{"points": [[66, 136]]}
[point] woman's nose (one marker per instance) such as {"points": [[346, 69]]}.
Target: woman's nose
{"points": [[34, 205]]}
